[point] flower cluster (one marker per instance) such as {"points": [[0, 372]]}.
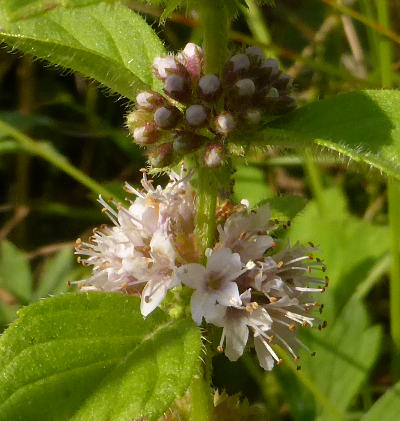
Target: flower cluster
{"points": [[200, 110], [256, 295]]}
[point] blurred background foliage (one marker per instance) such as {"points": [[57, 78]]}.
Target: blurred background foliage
{"points": [[328, 47]]}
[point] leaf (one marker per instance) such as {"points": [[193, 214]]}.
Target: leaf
{"points": [[94, 357], [57, 272], [349, 246], [15, 272], [250, 184], [361, 126], [22, 9], [387, 407], [106, 42], [285, 208]]}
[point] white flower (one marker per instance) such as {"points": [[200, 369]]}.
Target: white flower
{"points": [[213, 283], [140, 254], [247, 233]]}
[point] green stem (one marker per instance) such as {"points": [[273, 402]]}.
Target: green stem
{"points": [[394, 217], [200, 394], [206, 208], [385, 47], [214, 19], [46, 152]]}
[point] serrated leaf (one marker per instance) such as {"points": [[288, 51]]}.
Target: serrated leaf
{"points": [[23, 9], [94, 357], [387, 407], [361, 126], [285, 208], [15, 272], [106, 42]]}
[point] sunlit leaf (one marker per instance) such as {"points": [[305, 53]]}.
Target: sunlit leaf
{"points": [[15, 272], [90, 40], [361, 126], [386, 408], [94, 357]]}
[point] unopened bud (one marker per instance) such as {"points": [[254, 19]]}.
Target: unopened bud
{"points": [[213, 155], [283, 82], [167, 117], [245, 88], [163, 66], [209, 87], [177, 87], [149, 100], [272, 93], [197, 115], [192, 58], [187, 142], [255, 52], [161, 155], [146, 134], [269, 69], [253, 116], [236, 67], [225, 123], [137, 118]]}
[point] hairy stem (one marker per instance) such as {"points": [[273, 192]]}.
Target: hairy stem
{"points": [[214, 20]]}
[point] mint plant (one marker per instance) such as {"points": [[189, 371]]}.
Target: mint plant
{"points": [[183, 272]]}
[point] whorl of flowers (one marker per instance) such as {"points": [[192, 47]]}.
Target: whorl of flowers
{"points": [[256, 295], [199, 111]]}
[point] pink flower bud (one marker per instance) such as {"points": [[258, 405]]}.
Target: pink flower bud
{"points": [[137, 118], [213, 155], [146, 134], [225, 123], [192, 58], [167, 117], [149, 100], [163, 66], [161, 155], [269, 68], [197, 115]]}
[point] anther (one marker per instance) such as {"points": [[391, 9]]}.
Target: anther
{"points": [[279, 362], [220, 349], [273, 299], [280, 264], [324, 324], [311, 244], [292, 327], [298, 368], [313, 354], [296, 358], [147, 299]]}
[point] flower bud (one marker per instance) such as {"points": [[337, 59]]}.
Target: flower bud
{"points": [[192, 58], [255, 52], [163, 66], [268, 69], [272, 93], [236, 67], [224, 123], [197, 115], [213, 155], [245, 88], [137, 118], [177, 87], [161, 155], [209, 87], [284, 82], [253, 116], [167, 117], [149, 100], [146, 134], [187, 142]]}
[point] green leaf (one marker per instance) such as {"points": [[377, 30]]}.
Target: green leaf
{"points": [[361, 126], [94, 357], [285, 208], [57, 272], [349, 246], [386, 408], [250, 184], [22, 9], [15, 272], [106, 42]]}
